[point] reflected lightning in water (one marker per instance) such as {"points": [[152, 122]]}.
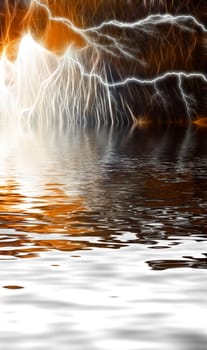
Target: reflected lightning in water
{"points": [[57, 190]]}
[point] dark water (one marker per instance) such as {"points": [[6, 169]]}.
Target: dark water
{"points": [[103, 239]]}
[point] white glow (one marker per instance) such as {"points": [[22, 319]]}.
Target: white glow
{"points": [[43, 87]]}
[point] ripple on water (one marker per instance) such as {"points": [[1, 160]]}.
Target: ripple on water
{"points": [[103, 244]]}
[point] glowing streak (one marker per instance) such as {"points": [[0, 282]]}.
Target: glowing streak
{"points": [[184, 96], [69, 88], [138, 80], [142, 23], [151, 19]]}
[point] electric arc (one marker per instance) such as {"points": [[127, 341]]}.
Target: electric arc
{"points": [[102, 62]]}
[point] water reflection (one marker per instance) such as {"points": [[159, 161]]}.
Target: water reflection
{"points": [[78, 189], [188, 261]]}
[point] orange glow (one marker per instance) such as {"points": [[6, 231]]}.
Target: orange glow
{"points": [[201, 122], [142, 122], [54, 35], [119, 52], [18, 20], [52, 214]]}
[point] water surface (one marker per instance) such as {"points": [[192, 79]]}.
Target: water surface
{"points": [[103, 238]]}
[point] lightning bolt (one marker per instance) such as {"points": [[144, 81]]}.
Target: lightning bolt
{"points": [[142, 24], [93, 83]]}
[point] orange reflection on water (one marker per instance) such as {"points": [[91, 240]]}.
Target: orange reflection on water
{"points": [[54, 213]]}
